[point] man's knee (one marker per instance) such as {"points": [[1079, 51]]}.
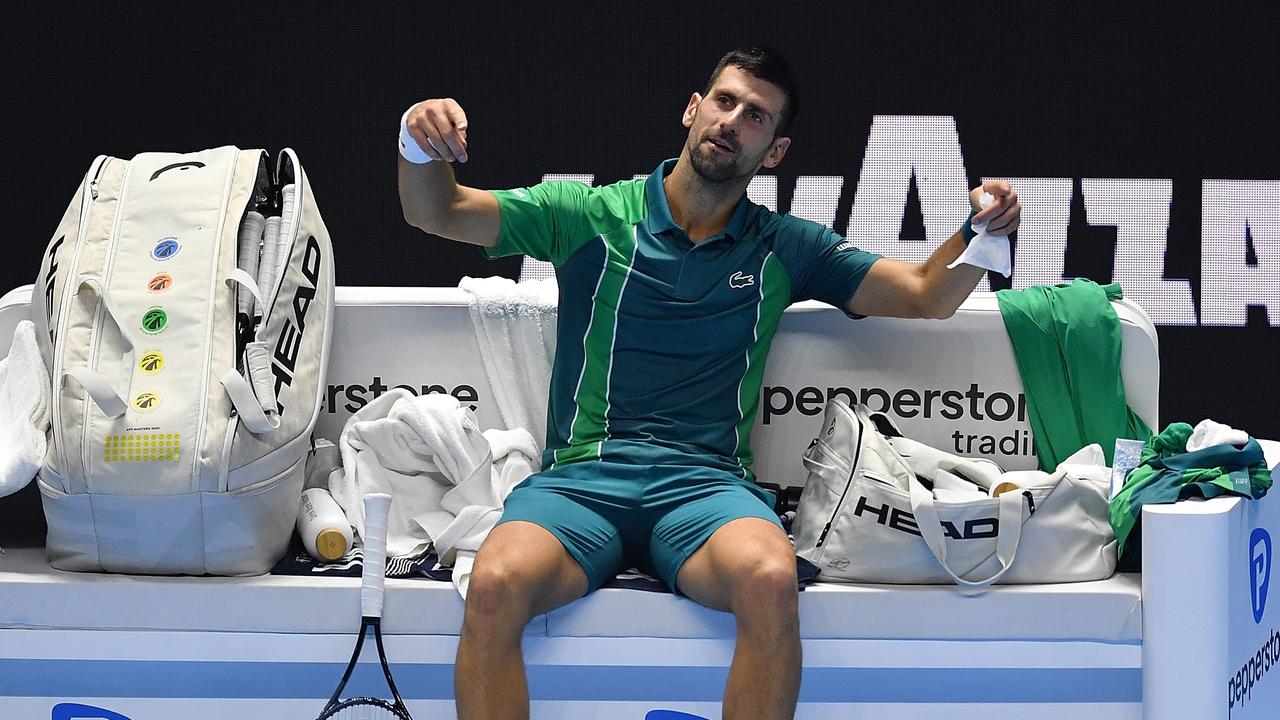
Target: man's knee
{"points": [[498, 591], [767, 588]]}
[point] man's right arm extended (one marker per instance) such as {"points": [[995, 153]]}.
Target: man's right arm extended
{"points": [[430, 196]]}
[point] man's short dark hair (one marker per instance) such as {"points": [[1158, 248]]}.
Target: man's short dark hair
{"points": [[768, 65]]}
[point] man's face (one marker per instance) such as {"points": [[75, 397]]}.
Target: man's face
{"points": [[731, 129]]}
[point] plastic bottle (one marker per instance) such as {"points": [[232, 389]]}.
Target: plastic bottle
{"points": [[323, 526]]}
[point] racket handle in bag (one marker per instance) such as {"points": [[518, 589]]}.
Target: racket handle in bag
{"points": [[323, 526], [268, 260], [247, 250], [288, 221]]}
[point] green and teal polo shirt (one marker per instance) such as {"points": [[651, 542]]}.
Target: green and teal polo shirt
{"points": [[661, 343]]}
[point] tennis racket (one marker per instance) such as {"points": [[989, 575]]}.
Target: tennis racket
{"points": [[376, 508]]}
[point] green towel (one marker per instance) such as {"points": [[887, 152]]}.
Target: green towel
{"points": [[1169, 473], [1066, 340]]}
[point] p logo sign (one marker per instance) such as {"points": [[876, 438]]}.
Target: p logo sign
{"points": [[76, 711], [1259, 571]]}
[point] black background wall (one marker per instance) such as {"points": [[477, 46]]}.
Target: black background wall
{"points": [[1080, 90]]}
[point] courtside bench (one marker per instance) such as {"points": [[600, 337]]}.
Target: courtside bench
{"points": [[1164, 645]]}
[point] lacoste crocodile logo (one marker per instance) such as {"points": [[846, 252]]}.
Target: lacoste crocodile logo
{"points": [[738, 280]]}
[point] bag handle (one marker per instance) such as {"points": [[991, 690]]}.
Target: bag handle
{"points": [[246, 404], [93, 282], [100, 391], [1007, 537]]}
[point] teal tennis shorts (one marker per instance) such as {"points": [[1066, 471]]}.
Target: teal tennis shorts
{"points": [[613, 516]]}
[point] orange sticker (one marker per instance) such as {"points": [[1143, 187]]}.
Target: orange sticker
{"points": [[159, 283]]}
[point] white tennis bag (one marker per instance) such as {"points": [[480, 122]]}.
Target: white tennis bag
{"points": [[866, 516], [188, 366]]}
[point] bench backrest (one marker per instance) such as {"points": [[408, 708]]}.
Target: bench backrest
{"points": [[949, 383]]}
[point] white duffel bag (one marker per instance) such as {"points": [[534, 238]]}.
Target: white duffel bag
{"points": [[869, 512]]}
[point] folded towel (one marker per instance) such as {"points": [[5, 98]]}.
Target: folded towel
{"points": [[1210, 432], [516, 328], [429, 454], [24, 410]]}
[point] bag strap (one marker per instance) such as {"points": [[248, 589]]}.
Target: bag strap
{"points": [[239, 391], [94, 283], [100, 391], [103, 395], [242, 278], [1007, 537], [247, 405]]}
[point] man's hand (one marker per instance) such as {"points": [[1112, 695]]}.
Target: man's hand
{"points": [[430, 195], [893, 288], [1005, 213], [440, 128]]}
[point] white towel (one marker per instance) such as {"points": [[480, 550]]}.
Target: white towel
{"points": [[24, 410], [429, 454], [515, 325], [987, 251], [1210, 432]]}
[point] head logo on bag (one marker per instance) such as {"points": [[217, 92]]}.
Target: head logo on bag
{"points": [[154, 320], [175, 166], [49, 280], [151, 363], [166, 248], [159, 283], [146, 401], [285, 357]]}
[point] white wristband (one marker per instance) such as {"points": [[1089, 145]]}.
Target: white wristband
{"points": [[409, 148]]}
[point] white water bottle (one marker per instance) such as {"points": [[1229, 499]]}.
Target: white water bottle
{"points": [[323, 526]]}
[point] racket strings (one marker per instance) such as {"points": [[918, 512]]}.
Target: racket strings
{"points": [[365, 709]]}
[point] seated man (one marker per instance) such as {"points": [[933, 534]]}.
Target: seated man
{"points": [[671, 288]]}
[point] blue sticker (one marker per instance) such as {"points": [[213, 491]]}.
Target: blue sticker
{"points": [[166, 248]]}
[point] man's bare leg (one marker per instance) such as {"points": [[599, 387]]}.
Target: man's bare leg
{"points": [[522, 570], [748, 568]]}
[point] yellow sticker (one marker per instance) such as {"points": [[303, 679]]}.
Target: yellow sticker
{"points": [[151, 362], [146, 402], [143, 447]]}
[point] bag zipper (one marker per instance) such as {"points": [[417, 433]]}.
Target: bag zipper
{"points": [[853, 470], [63, 313], [87, 425], [224, 469], [93, 184], [214, 282]]}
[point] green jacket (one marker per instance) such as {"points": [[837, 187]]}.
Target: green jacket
{"points": [[1066, 340]]}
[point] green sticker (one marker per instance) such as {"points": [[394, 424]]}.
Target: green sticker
{"points": [[154, 320]]}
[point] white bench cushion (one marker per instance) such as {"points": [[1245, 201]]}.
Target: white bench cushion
{"points": [[33, 595]]}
